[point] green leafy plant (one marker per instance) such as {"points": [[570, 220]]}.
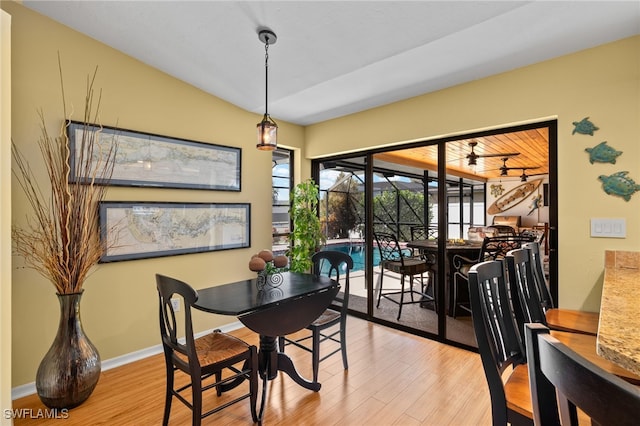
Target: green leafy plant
{"points": [[306, 237]]}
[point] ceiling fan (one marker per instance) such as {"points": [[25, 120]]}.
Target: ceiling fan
{"points": [[504, 170], [473, 157]]}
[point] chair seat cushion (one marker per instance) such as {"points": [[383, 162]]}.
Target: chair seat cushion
{"points": [[517, 393], [412, 266], [329, 315], [216, 347]]}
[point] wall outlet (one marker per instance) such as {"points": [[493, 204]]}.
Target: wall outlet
{"points": [[176, 305]]}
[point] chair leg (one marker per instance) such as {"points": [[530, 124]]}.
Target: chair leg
{"points": [[169, 395], [281, 344], [401, 297], [411, 287], [253, 385], [219, 378], [315, 354], [455, 296], [196, 400], [343, 344], [380, 277]]}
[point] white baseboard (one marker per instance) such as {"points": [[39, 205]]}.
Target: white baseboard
{"points": [[30, 388]]}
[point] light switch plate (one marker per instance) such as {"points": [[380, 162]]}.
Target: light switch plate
{"points": [[608, 227]]}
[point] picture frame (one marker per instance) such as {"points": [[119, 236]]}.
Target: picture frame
{"points": [[140, 230], [148, 160]]}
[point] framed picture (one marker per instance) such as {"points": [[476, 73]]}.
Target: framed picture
{"points": [[148, 229], [144, 159]]}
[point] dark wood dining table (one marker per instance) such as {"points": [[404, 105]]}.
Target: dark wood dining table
{"points": [[466, 248], [283, 304]]}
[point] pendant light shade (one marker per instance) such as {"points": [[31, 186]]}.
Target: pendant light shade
{"points": [[267, 128]]}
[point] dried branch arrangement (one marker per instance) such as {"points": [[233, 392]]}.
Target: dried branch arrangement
{"points": [[61, 241]]}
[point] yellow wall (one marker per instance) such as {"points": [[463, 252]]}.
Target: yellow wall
{"points": [[119, 307], [5, 213], [602, 83]]}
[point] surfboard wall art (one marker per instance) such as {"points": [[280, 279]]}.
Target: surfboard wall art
{"points": [[514, 197]]}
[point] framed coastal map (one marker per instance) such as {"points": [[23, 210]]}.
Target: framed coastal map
{"points": [[142, 230], [144, 159]]}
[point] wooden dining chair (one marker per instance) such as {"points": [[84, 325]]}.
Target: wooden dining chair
{"points": [[522, 288], [558, 319], [394, 259], [562, 380], [203, 360], [526, 309], [499, 344], [336, 265], [493, 248]]}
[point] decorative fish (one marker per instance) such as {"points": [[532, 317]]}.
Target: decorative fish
{"points": [[603, 153]]}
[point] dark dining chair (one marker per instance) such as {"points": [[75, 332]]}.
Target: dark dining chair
{"points": [[558, 319], [562, 380], [203, 359], [499, 344], [523, 290], [395, 259], [493, 248], [336, 265]]}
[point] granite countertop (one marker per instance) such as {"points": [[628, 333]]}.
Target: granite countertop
{"points": [[619, 328]]}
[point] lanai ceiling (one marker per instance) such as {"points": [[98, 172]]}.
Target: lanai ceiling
{"points": [[531, 147]]}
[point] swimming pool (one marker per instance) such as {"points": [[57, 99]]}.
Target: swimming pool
{"points": [[357, 253]]}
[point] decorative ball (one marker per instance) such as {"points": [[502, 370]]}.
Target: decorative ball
{"points": [[266, 255], [257, 264], [280, 261]]}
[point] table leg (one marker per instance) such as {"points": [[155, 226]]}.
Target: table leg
{"points": [[271, 361]]}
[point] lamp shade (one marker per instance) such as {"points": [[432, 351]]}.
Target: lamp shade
{"points": [[267, 134]]}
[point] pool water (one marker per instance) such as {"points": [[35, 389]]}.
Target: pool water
{"points": [[357, 253]]}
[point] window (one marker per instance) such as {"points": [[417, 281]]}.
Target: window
{"points": [[282, 184]]}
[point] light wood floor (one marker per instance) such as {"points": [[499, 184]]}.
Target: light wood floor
{"points": [[394, 378]]}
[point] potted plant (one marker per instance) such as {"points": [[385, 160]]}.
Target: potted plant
{"points": [[306, 237], [61, 242]]}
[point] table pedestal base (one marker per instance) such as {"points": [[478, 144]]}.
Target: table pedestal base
{"points": [[270, 361]]}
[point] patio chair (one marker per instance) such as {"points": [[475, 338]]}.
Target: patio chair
{"points": [[400, 261]]}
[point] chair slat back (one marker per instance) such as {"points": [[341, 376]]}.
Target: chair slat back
{"points": [[169, 324], [498, 339], [390, 250], [495, 248], [423, 232], [539, 276], [492, 316], [523, 289], [339, 264], [553, 366]]}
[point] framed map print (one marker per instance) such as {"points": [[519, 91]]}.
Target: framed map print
{"points": [[141, 230], [144, 159]]}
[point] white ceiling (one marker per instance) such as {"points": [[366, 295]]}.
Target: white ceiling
{"points": [[333, 58]]}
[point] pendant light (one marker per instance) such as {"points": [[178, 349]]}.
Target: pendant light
{"points": [[267, 128]]}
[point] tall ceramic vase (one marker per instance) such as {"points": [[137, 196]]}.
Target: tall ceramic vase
{"points": [[70, 370]]}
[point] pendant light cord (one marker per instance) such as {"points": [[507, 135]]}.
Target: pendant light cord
{"points": [[266, 76]]}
